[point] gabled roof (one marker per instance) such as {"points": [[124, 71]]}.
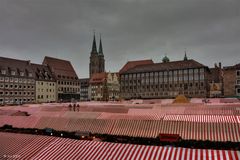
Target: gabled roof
{"points": [[60, 67], [9, 64], [132, 64], [174, 65], [98, 77]]}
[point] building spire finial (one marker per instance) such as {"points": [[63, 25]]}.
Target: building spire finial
{"points": [[94, 46], [185, 55], [100, 51]]}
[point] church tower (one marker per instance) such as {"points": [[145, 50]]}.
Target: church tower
{"points": [[97, 61], [101, 57], [94, 61]]}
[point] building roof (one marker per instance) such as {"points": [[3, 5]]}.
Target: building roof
{"points": [[42, 72], [98, 78], [62, 69], [174, 65], [237, 66], [16, 65], [132, 64]]}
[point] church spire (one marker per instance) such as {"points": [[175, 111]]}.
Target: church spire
{"points": [[94, 46], [100, 51], [185, 56]]}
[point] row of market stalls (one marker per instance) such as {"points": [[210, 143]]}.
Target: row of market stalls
{"points": [[214, 128], [24, 146]]}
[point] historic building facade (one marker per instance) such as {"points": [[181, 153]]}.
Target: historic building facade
{"points": [[104, 86], [45, 83], [97, 61], [68, 85], [231, 80], [164, 80], [17, 81], [84, 89], [216, 81]]}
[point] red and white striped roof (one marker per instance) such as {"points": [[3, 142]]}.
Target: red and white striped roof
{"points": [[199, 128], [202, 118], [42, 147]]}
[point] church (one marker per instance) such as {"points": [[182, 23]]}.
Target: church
{"points": [[97, 62]]}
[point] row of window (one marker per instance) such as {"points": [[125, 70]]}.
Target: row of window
{"points": [[45, 90], [16, 100], [14, 73], [47, 96], [168, 86], [67, 89], [68, 83], [152, 94], [46, 83], [16, 86], [16, 80], [15, 93], [162, 80], [67, 77], [165, 73]]}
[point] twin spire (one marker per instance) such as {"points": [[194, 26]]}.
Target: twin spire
{"points": [[94, 46]]}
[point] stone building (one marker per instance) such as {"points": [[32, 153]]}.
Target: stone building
{"points": [[17, 81], [45, 83], [231, 80], [68, 85], [216, 81], [104, 86], [145, 79], [84, 89], [97, 61]]}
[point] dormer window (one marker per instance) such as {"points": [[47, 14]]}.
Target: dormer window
{"points": [[3, 71], [22, 74], [13, 73]]}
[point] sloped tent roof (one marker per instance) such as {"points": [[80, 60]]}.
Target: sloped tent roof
{"points": [[45, 147], [181, 99]]}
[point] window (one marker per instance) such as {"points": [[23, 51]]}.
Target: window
{"points": [[22, 74], [238, 73], [13, 73], [185, 71], [3, 71], [238, 91], [238, 81], [30, 74]]}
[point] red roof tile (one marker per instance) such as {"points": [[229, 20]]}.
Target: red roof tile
{"points": [[60, 67], [98, 77], [187, 64], [132, 64]]}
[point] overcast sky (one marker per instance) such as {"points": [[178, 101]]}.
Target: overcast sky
{"points": [[131, 30]]}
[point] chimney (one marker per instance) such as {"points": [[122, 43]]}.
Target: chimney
{"points": [[220, 65]]}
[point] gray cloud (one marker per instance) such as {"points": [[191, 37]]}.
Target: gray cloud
{"points": [[131, 29]]}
